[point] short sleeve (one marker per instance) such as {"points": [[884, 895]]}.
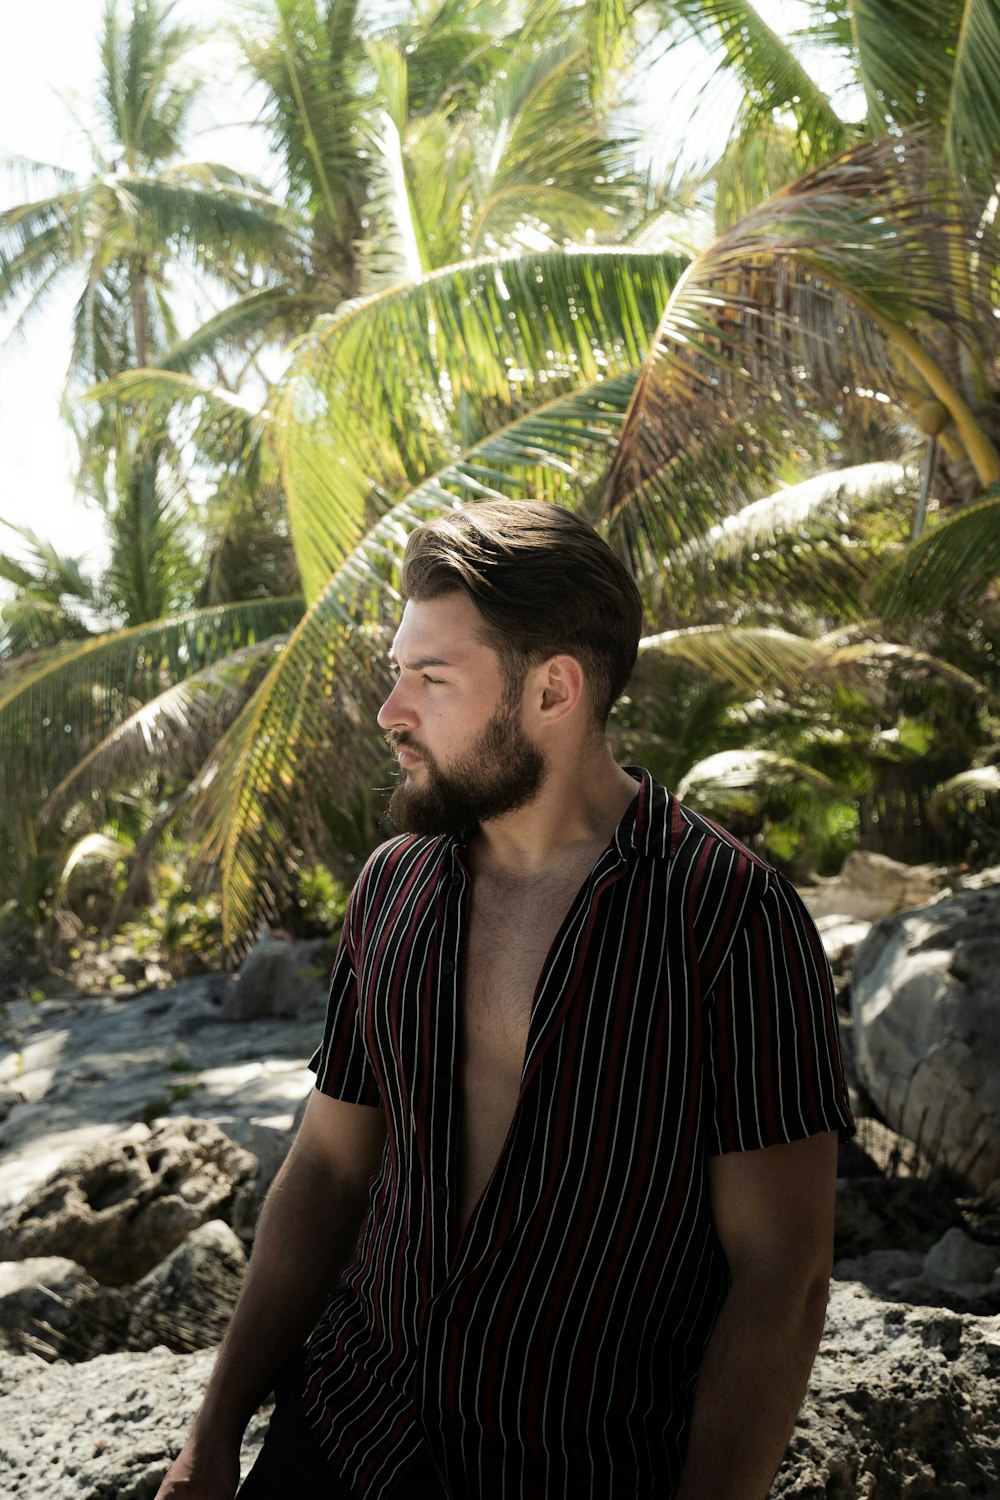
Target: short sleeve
{"points": [[341, 1063], [773, 1069]]}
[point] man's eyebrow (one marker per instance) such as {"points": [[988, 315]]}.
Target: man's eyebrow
{"points": [[420, 663]]}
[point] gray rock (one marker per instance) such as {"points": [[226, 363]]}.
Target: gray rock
{"points": [[870, 886], [50, 1307], [187, 1300], [904, 1212], [957, 1258], [86, 1070], [281, 978], [118, 1209], [927, 1028], [903, 1402], [107, 1430]]}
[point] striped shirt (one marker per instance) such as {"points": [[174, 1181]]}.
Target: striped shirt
{"points": [[551, 1349]]}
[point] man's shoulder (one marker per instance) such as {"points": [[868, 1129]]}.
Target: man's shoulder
{"points": [[407, 854], [721, 874]]}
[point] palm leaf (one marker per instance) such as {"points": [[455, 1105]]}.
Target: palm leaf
{"points": [[393, 389], [175, 730], [972, 112], [316, 707], [56, 704], [774, 79], [950, 562], [806, 304], [971, 786], [718, 777]]}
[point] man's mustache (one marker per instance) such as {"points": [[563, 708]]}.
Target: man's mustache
{"points": [[398, 739]]}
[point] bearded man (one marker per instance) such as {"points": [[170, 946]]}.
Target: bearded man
{"points": [[558, 1221]]}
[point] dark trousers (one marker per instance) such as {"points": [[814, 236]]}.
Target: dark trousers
{"points": [[291, 1465]]}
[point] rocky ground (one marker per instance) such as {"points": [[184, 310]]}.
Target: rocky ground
{"points": [[139, 1132]]}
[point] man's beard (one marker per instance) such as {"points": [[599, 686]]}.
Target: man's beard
{"points": [[500, 772]]}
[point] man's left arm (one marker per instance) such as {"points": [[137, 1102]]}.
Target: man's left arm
{"points": [[773, 1212]]}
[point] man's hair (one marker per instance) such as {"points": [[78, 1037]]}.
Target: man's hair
{"points": [[544, 583]]}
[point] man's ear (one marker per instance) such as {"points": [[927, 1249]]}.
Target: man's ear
{"points": [[560, 688]]}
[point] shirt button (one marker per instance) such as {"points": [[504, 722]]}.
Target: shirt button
{"points": [[447, 967], [456, 879], [439, 1195]]}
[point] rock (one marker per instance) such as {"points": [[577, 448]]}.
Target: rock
{"points": [[956, 1257], [281, 978], [186, 1302], [107, 1430], [871, 886], [86, 1070], [903, 1402], [898, 1276], [877, 1150], [119, 1208], [927, 1028], [840, 936], [50, 1307], [904, 1212]]}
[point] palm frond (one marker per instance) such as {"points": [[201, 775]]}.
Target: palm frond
{"points": [[174, 731], [56, 704], [716, 778], [316, 707], [972, 111], [805, 305], [972, 786], [774, 79], [954, 560], [394, 389]]}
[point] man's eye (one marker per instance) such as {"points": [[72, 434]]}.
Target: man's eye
{"points": [[432, 679]]}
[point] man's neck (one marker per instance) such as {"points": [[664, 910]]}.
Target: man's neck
{"points": [[578, 807]]}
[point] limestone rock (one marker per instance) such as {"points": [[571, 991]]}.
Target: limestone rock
{"points": [[956, 1257], [50, 1307], [107, 1430], [873, 1212], [83, 1072], [280, 978], [903, 1401], [186, 1301], [119, 1208], [872, 885], [927, 1028]]}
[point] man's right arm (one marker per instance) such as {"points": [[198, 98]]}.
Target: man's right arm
{"points": [[307, 1232]]}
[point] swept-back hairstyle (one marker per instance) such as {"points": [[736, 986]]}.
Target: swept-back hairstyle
{"points": [[544, 583]]}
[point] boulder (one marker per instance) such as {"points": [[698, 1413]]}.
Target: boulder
{"points": [[107, 1430], [904, 1212], [955, 1257], [280, 978], [187, 1300], [926, 1011], [903, 1401], [122, 1206], [50, 1307], [871, 886]]}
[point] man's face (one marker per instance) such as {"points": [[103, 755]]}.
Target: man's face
{"points": [[454, 722]]}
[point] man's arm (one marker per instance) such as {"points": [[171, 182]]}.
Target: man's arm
{"points": [[307, 1231], [773, 1212]]}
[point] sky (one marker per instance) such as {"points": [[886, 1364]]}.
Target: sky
{"points": [[45, 100]]}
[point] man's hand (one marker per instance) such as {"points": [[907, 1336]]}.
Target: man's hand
{"points": [[773, 1212], [201, 1472]]}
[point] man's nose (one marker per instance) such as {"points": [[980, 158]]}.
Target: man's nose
{"points": [[395, 711]]}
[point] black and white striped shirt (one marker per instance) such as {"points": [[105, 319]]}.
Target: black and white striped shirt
{"points": [[551, 1349]]}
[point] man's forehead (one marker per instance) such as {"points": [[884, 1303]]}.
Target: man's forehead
{"points": [[438, 632]]}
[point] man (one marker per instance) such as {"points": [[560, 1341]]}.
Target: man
{"points": [[572, 1147]]}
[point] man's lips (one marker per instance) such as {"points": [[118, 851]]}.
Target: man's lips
{"points": [[406, 756]]}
